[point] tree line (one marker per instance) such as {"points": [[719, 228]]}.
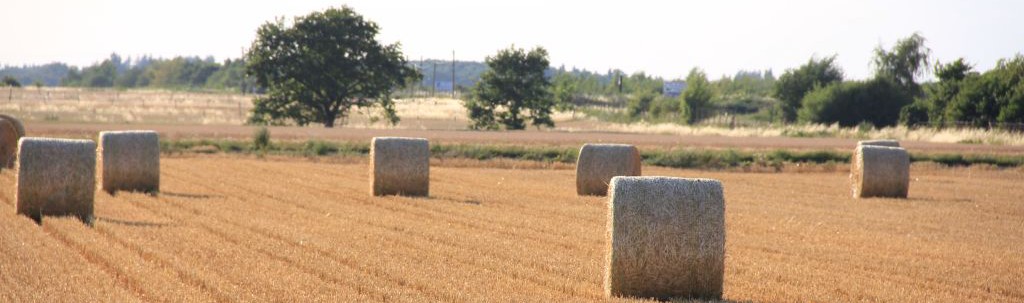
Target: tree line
{"points": [[316, 68]]}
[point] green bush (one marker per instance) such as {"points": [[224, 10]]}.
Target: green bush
{"points": [[877, 101], [261, 139]]}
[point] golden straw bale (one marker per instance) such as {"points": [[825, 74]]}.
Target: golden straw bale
{"points": [[598, 163], [129, 161], [666, 238], [9, 135], [880, 171], [17, 124], [399, 166], [55, 177]]}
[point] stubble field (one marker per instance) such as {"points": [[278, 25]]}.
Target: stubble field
{"points": [[290, 229]]}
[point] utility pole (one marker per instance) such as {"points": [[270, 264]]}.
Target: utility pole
{"points": [[433, 80], [453, 74]]}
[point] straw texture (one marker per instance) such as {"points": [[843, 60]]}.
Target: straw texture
{"points": [[129, 161], [666, 238], [10, 132], [880, 171], [55, 177], [598, 163], [399, 166]]}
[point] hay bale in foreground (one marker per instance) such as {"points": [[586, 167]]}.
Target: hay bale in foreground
{"points": [[880, 171], [55, 177], [667, 238], [399, 166], [129, 161], [883, 142], [10, 131], [597, 164]]}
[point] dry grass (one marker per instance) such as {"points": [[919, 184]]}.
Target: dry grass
{"points": [[129, 161], [598, 163], [879, 171], [230, 229], [948, 135], [666, 238], [399, 166], [56, 177]]}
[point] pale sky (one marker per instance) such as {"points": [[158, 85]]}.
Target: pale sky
{"points": [[663, 38]]}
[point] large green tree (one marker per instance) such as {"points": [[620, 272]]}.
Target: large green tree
{"points": [[321, 65], [907, 59], [791, 87], [512, 90], [697, 96]]}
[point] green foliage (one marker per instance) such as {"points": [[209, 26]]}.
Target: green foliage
{"points": [[794, 84], [564, 91], [49, 74], [261, 139], [318, 148], [914, 114], [939, 95], [876, 101], [697, 96], [10, 81], [639, 104], [321, 66], [907, 59], [513, 90], [997, 96]]}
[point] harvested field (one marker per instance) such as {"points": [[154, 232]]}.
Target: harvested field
{"points": [[288, 229]]}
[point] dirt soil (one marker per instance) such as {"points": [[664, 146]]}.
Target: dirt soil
{"points": [[245, 229]]}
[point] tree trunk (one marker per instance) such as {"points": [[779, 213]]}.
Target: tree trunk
{"points": [[329, 117]]}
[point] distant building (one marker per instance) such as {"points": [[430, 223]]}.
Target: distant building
{"points": [[673, 88]]}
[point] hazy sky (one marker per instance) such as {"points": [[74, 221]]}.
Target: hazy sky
{"points": [[664, 38]]}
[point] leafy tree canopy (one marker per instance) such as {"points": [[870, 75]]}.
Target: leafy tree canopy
{"points": [[513, 90], [323, 64], [907, 60], [791, 87]]}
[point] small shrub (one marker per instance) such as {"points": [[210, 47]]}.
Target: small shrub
{"points": [[260, 139]]}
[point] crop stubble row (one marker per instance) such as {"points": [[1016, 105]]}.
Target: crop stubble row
{"points": [[228, 229]]}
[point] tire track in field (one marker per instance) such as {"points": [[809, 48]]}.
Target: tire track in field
{"points": [[347, 262], [323, 276], [432, 240], [466, 220], [187, 278], [124, 281], [135, 202], [551, 214]]}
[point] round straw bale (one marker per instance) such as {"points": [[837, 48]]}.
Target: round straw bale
{"points": [[399, 166], [129, 161], [17, 124], [9, 135], [667, 238], [883, 142], [55, 177], [598, 163], [879, 171]]}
